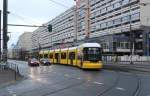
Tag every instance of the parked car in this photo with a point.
(33, 62)
(45, 61)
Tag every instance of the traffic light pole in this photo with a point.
(5, 37)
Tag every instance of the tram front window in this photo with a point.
(91, 54)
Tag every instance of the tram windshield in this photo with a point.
(92, 54)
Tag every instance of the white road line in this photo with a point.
(14, 95)
(78, 78)
(66, 75)
(11, 92)
(98, 83)
(119, 88)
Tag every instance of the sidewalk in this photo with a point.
(8, 76)
(126, 66)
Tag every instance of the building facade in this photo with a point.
(23, 47)
(63, 31)
(120, 26)
(25, 41)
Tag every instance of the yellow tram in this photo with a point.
(86, 56)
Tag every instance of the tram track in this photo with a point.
(111, 87)
(138, 89)
(118, 80)
(72, 80)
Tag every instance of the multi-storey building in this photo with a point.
(63, 31)
(120, 26)
(25, 42)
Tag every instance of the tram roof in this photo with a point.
(41, 52)
(46, 51)
(90, 45)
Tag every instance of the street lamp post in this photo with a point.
(5, 37)
(0, 36)
(131, 36)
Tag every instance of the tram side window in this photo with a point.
(56, 55)
(86, 55)
(63, 55)
(41, 56)
(45, 55)
(72, 55)
(51, 55)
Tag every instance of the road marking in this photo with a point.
(14, 95)
(66, 75)
(119, 88)
(11, 92)
(99, 83)
(78, 78)
(88, 80)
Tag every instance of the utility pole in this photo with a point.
(5, 37)
(87, 19)
(0, 36)
(131, 36)
(76, 10)
(76, 23)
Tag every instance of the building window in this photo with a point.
(110, 23)
(125, 19)
(117, 21)
(103, 10)
(117, 5)
(104, 25)
(124, 2)
(110, 8)
(135, 16)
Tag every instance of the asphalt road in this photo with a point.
(58, 80)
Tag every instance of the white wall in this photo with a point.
(145, 12)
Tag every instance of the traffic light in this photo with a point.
(50, 28)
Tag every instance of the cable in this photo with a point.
(59, 4)
(22, 18)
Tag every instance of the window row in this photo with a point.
(111, 7)
(120, 45)
(118, 21)
(71, 55)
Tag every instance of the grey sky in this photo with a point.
(33, 12)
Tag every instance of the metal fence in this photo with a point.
(10, 66)
(126, 59)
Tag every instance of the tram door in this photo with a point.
(71, 57)
(57, 58)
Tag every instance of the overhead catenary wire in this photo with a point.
(60, 4)
(22, 18)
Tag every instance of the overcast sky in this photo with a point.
(32, 12)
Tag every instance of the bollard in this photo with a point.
(15, 73)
